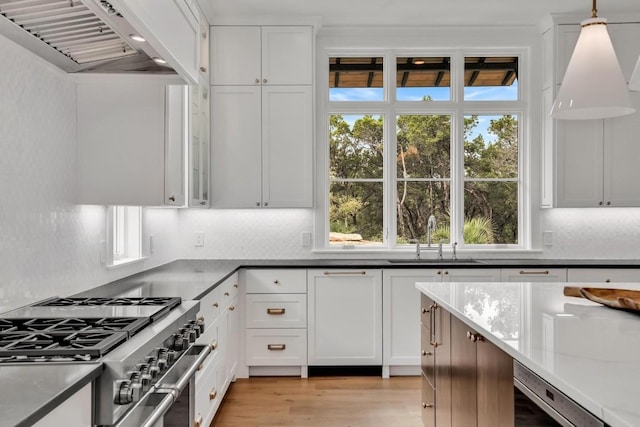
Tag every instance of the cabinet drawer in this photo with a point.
(276, 281)
(428, 404)
(427, 357)
(276, 311)
(208, 391)
(425, 310)
(229, 289)
(276, 347)
(210, 306)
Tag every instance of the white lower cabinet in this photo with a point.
(527, 274)
(73, 412)
(276, 321)
(345, 317)
(401, 319)
(602, 275)
(220, 312)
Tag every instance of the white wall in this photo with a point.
(48, 245)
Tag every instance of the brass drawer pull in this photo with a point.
(276, 347)
(226, 294)
(213, 394)
(233, 307)
(216, 305)
(214, 344)
(278, 311)
(338, 273)
(534, 272)
(198, 421)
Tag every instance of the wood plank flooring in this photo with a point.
(322, 402)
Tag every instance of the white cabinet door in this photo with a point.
(471, 275)
(603, 275)
(130, 141)
(345, 317)
(621, 154)
(253, 55)
(233, 333)
(579, 148)
(236, 53)
(287, 142)
(534, 274)
(401, 315)
(287, 55)
(236, 159)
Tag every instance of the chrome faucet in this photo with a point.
(431, 226)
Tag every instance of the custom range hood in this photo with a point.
(78, 35)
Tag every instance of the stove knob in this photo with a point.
(143, 367)
(127, 392)
(151, 360)
(162, 365)
(193, 335)
(145, 382)
(154, 371)
(171, 357)
(178, 343)
(200, 323)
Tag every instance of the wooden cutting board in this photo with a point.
(625, 299)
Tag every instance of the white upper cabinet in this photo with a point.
(131, 142)
(251, 55)
(261, 117)
(589, 163)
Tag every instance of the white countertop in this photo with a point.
(588, 351)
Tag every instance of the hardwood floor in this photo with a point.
(322, 402)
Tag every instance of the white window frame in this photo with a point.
(390, 108)
(124, 235)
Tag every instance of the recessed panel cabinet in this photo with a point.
(589, 163)
(131, 141)
(262, 117)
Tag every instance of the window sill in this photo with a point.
(489, 253)
(125, 262)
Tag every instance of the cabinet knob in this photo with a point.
(473, 336)
(172, 198)
(446, 272)
(235, 285)
(203, 203)
(216, 305)
(266, 203)
(599, 203)
(212, 394)
(214, 345)
(264, 80)
(257, 80)
(608, 281)
(423, 310)
(608, 203)
(226, 294)
(426, 353)
(427, 405)
(439, 272)
(203, 68)
(257, 203)
(233, 307)
(276, 282)
(198, 421)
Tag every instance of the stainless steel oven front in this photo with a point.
(171, 403)
(538, 403)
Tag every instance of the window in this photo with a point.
(428, 152)
(124, 226)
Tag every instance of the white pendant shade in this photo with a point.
(593, 86)
(634, 83)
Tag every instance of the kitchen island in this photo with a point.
(584, 349)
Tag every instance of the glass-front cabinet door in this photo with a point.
(199, 146)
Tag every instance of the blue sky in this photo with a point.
(479, 93)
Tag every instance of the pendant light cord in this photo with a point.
(594, 10)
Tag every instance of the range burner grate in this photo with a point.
(93, 344)
(131, 325)
(170, 302)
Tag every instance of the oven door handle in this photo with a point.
(190, 372)
(156, 415)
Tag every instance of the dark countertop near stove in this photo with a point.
(29, 392)
(192, 279)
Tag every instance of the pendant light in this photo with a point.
(593, 86)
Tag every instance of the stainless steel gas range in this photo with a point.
(146, 346)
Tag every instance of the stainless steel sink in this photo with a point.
(436, 261)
